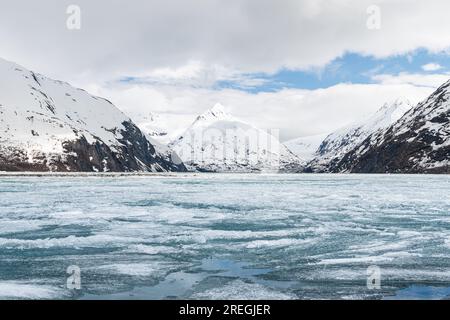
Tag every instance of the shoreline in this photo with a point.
(94, 174)
(6, 174)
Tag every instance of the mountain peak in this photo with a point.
(344, 140)
(218, 108)
(219, 142)
(48, 125)
(417, 143)
(399, 103)
(218, 112)
(390, 112)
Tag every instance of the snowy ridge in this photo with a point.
(219, 142)
(417, 143)
(150, 124)
(340, 142)
(306, 147)
(48, 125)
(212, 115)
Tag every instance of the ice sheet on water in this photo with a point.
(23, 290)
(240, 290)
(67, 242)
(155, 269)
(325, 230)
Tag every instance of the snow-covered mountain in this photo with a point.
(339, 143)
(48, 125)
(306, 147)
(419, 142)
(219, 142)
(163, 127)
(150, 123)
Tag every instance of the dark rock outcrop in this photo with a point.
(418, 143)
(48, 125)
(135, 153)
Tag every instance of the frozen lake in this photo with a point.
(213, 236)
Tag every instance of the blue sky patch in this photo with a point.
(351, 68)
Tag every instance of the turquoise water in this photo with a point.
(213, 236)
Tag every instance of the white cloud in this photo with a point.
(196, 74)
(295, 112)
(244, 36)
(414, 79)
(177, 50)
(431, 67)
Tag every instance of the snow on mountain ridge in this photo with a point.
(419, 142)
(306, 147)
(47, 124)
(338, 143)
(216, 113)
(217, 141)
(150, 123)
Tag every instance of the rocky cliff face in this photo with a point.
(336, 145)
(417, 143)
(48, 125)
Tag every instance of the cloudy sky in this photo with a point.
(302, 66)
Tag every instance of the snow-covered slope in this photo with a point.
(150, 123)
(48, 125)
(306, 147)
(340, 142)
(219, 142)
(163, 127)
(419, 142)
